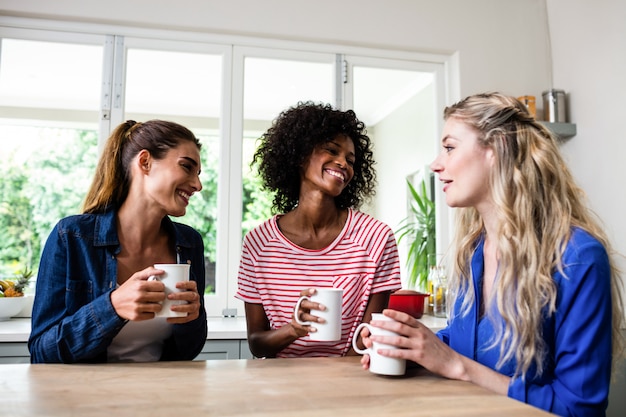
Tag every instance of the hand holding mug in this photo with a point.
(326, 304)
(141, 296)
(412, 341)
(188, 300)
(378, 364)
(175, 279)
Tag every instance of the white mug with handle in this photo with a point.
(379, 364)
(173, 273)
(332, 299)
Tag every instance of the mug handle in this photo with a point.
(297, 307)
(355, 336)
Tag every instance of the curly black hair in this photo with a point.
(290, 141)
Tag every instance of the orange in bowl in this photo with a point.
(408, 301)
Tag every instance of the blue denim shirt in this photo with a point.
(73, 319)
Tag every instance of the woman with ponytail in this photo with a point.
(536, 304)
(93, 300)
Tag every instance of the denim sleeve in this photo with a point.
(582, 341)
(70, 323)
(188, 339)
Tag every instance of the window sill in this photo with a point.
(219, 328)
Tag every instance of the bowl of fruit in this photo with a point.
(10, 306)
(12, 299)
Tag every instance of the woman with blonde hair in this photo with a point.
(94, 301)
(536, 304)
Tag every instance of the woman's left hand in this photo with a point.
(188, 293)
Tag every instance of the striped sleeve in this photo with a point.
(380, 243)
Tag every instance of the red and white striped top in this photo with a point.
(362, 260)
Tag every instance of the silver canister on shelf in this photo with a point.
(554, 106)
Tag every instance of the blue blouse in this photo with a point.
(577, 369)
(73, 319)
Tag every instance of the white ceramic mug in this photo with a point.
(173, 273)
(332, 299)
(379, 364)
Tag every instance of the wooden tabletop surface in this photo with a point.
(260, 387)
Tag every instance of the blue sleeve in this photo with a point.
(580, 345)
(444, 335)
(70, 323)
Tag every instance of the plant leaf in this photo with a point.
(418, 229)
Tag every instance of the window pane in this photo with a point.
(271, 86)
(50, 75)
(168, 84)
(49, 93)
(185, 88)
(397, 107)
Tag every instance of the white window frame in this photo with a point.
(234, 49)
(236, 164)
(214, 303)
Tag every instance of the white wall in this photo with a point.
(589, 54)
(589, 57)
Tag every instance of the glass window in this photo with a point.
(184, 87)
(49, 95)
(54, 115)
(396, 101)
(271, 86)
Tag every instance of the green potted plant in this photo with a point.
(418, 229)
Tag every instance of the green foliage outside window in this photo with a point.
(36, 192)
(51, 182)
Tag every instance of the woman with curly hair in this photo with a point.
(318, 163)
(536, 302)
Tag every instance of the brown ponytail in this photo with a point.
(111, 181)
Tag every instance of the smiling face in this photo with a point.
(331, 166)
(464, 166)
(172, 181)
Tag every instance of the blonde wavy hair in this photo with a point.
(537, 204)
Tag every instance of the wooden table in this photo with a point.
(272, 387)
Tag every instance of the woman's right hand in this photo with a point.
(304, 314)
(367, 342)
(138, 298)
